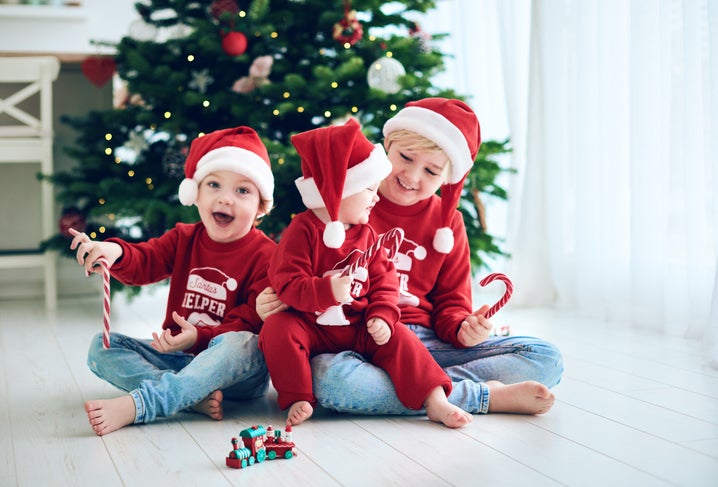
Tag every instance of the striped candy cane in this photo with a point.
(334, 315)
(105, 302)
(507, 294)
(391, 239)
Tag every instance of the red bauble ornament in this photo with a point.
(234, 43)
(72, 218)
(219, 7)
(98, 69)
(349, 29)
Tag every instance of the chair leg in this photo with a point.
(51, 281)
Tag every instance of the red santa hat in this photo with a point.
(239, 150)
(453, 126)
(337, 162)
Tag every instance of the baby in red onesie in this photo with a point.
(332, 312)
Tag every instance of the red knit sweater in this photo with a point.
(212, 285)
(435, 291)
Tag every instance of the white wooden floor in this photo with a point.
(632, 409)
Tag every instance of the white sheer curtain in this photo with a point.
(612, 110)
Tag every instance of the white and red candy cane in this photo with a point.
(391, 240)
(507, 294)
(105, 301)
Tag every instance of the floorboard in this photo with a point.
(634, 408)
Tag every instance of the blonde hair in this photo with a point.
(416, 142)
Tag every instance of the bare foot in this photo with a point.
(211, 406)
(108, 415)
(299, 412)
(529, 397)
(440, 410)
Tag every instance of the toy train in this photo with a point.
(260, 445)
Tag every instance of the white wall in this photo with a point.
(32, 29)
(65, 32)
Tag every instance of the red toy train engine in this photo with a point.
(259, 445)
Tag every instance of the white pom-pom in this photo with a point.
(420, 252)
(187, 192)
(231, 284)
(334, 235)
(444, 240)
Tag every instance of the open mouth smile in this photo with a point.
(222, 218)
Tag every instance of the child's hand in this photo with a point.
(341, 287)
(379, 330)
(476, 328)
(88, 251)
(166, 343)
(269, 303)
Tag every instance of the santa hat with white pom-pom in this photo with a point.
(337, 162)
(239, 150)
(453, 126)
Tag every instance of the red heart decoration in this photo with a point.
(98, 69)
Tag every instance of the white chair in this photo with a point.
(28, 138)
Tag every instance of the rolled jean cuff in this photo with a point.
(139, 407)
(484, 398)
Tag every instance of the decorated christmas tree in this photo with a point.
(279, 66)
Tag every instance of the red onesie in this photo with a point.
(299, 271)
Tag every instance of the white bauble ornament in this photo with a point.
(384, 75)
(141, 31)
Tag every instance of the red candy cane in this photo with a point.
(105, 302)
(334, 315)
(507, 294)
(391, 239)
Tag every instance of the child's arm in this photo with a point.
(184, 340)
(88, 251)
(379, 330)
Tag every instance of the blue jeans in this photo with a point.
(345, 382)
(162, 384)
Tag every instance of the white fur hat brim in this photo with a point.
(234, 159)
(438, 129)
(359, 177)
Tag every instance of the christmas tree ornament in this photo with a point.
(384, 75)
(258, 75)
(98, 69)
(176, 32)
(422, 37)
(141, 31)
(135, 143)
(234, 43)
(201, 80)
(173, 161)
(72, 218)
(220, 7)
(348, 30)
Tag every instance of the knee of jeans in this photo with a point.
(95, 348)
(237, 340)
(554, 365)
(332, 369)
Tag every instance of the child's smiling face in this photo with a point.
(228, 205)
(415, 174)
(355, 209)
